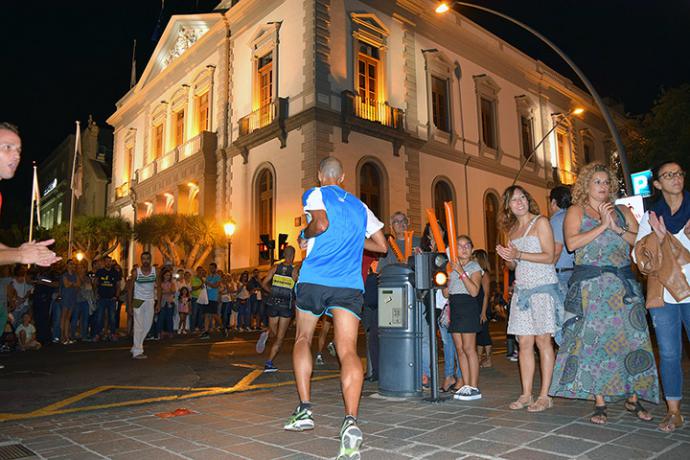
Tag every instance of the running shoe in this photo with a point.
(300, 420)
(140, 356)
(205, 336)
(319, 359)
(350, 440)
(331, 348)
(468, 393)
(269, 367)
(261, 343)
(513, 358)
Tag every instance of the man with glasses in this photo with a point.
(32, 252)
(399, 224)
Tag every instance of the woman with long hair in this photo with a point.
(464, 284)
(484, 343)
(605, 354)
(532, 320)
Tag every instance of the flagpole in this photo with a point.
(33, 196)
(71, 206)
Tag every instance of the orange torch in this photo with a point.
(396, 249)
(435, 230)
(408, 243)
(452, 236)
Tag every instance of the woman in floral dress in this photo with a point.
(605, 354)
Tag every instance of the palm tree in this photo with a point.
(94, 236)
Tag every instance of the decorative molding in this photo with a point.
(186, 37)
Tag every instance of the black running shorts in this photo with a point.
(318, 300)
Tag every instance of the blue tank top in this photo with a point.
(334, 258)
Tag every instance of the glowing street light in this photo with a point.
(229, 228)
(443, 7)
(80, 256)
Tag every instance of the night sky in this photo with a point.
(65, 60)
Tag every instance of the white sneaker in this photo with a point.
(261, 343)
(463, 393)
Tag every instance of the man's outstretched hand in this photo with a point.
(38, 252)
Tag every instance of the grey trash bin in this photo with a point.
(400, 334)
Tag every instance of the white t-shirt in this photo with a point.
(29, 330)
(644, 230)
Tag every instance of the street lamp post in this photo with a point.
(229, 228)
(444, 7)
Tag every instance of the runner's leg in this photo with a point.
(346, 327)
(279, 327)
(301, 353)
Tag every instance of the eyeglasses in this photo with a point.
(465, 245)
(672, 175)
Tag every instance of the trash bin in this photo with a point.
(400, 333)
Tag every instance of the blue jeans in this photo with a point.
(669, 336)
(106, 307)
(563, 278)
(81, 314)
(451, 367)
(55, 313)
(243, 314)
(165, 318)
(225, 311)
(196, 320)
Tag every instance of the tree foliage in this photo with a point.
(94, 236)
(184, 240)
(663, 133)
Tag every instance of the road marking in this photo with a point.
(245, 384)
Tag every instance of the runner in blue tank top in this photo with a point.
(330, 282)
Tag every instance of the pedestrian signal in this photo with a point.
(282, 244)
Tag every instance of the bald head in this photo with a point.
(289, 254)
(330, 171)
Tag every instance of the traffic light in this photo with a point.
(430, 270)
(282, 244)
(265, 247)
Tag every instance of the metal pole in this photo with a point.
(597, 99)
(77, 150)
(229, 253)
(433, 352)
(534, 150)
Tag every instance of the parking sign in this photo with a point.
(642, 183)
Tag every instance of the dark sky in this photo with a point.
(66, 60)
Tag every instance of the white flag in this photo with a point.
(36, 197)
(77, 170)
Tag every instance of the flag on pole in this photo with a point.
(133, 76)
(36, 197)
(77, 170)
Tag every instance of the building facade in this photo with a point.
(55, 176)
(237, 107)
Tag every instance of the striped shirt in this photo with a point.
(145, 285)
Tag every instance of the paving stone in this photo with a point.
(540, 427)
(613, 452)
(680, 451)
(643, 442)
(591, 432)
(300, 456)
(321, 447)
(529, 454)
(116, 447)
(149, 453)
(213, 454)
(94, 436)
(510, 435)
(442, 437)
(177, 445)
(444, 455)
(418, 450)
(259, 451)
(401, 433)
(480, 446)
(64, 451)
(386, 443)
(379, 454)
(562, 445)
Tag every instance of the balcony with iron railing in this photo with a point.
(375, 118)
(204, 143)
(122, 191)
(262, 124)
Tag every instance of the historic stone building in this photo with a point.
(55, 176)
(236, 108)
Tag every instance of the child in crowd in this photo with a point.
(183, 308)
(26, 334)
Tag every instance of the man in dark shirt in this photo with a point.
(44, 287)
(108, 290)
(256, 300)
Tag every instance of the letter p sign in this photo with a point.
(641, 183)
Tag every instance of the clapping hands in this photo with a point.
(508, 253)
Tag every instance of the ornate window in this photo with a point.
(178, 127)
(440, 103)
(525, 111)
(491, 228)
(588, 149)
(202, 101)
(371, 187)
(265, 87)
(439, 96)
(265, 190)
(443, 191)
(487, 106)
(158, 132)
(370, 36)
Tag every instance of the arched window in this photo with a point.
(442, 193)
(491, 226)
(264, 201)
(371, 187)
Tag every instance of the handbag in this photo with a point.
(203, 296)
(444, 317)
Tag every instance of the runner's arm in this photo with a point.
(268, 278)
(376, 242)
